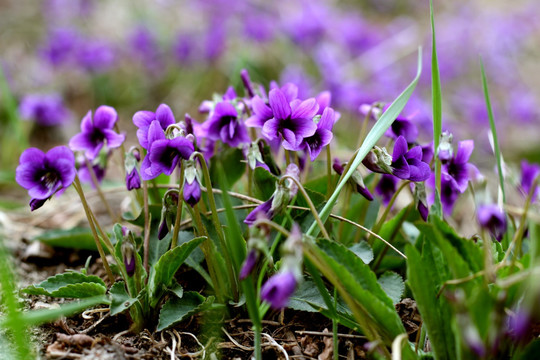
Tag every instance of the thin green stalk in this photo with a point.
(309, 202)
(14, 317)
(287, 157)
(335, 323)
(436, 99)
(146, 241)
(330, 187)
(382, 220)
(103, 234)
(78, 188)
(346, 204)
(178, 219)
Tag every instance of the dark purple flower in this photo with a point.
(164, 154)
(225, 125)
(292, 121)
(323, 135)
(133, 180)
(458, 167)
(163, 230)
(423, 210)
(97, 132)
(408, 164)
(403, 126)
(529, 172)
(387, 187)
(249, 264)
(449, 192)
(264, 209)
(192, 192)
(278, 289)
(143, 119)
(45, 174)
(493, 219)
(45, 110)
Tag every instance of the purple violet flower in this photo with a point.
(408, 164)
(224, 124)
(143, 119)
(45, 174)
(323, 135)
(97, 132)
(493, 219)
(292, 121)
(95, 55)
(529, 172)
(449, 192)
(458, 167)
(164, 153)
(264, 209)
(278, 289)
(387, 187)
(45, 110)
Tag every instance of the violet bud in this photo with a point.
(244, 75)
(192, 187)
(128, 253)
(420, 198)
(249, 264)
(519, 325)
(378, 160)
(133, 180)
(163, 229)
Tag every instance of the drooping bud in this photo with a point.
(168, 212)
(133, 180)
(249, 264)
(244, 75)
(192, 187)
(378, 160)
(420, 199)
(128, 253)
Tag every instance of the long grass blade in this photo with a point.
(374, 135)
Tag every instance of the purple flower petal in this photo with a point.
(105, 117)
(143, 118)
(464, 151)
(400, 148)
(307, 109)
(279, 104)
(401, 168)
(278, 289)
(165, 116)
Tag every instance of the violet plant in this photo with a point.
(307, 229)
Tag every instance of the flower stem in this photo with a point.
(176, 228)
(89, 216)
(309, 202)
(330, 187)
(146, 242)
(95, 181)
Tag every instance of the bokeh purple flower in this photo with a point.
(493, 219)
(44, 109)
(529, 172)
(45, 174)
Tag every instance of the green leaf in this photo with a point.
(353, 265)
(436, 100)
(41, 316)
(176, 310)
(378, 130)
(177, 289)
(425, 280)
(76, 238)
(393, 285)
(363, 251)
(69, 285)
(120, 299)
(231, 159)
(163, 273)
(265, 183)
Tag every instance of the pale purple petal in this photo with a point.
(307, 109)
(114, 140)
(290, 91)
(270, 129)
(105, 117)
(142, 119)
(165, 116)
(464, 151)
(279, 104)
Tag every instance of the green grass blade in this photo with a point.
(436, 101)
(498, 155)
(11, 306)
(374, 135)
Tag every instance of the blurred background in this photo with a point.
(74, 55)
